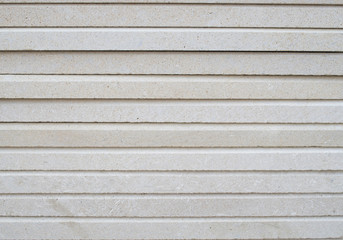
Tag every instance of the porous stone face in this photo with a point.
(156, 119)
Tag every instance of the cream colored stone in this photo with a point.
(170, 135)
(180, 63)
(166, 111)
(184, 39)
(95, 228)
(168, 182)
(177, 159)
(171, 206)
(170, 15)
(170, 87)
(222, 157)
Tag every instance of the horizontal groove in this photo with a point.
(172, 52)
(183, 102)
(175, 218)
(186, 75)
(169, 29)
(172, 195)
(148, 148)
(162, 101)
(169, 126)
(170, 150)
(190, 99)
(168, 219)
(184, 172)
(166, 27)
(176, 2)
(181, 2)
(81, 173)
(167, 51)
(170, 77)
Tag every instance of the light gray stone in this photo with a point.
(171, 15)
(170, 135)
(172, 63)
(170, 87)
(184, 39)
(167, 111)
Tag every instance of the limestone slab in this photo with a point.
(100, 182)
(170, 15)
(184, 39)
(167, 111)
(169, 87)
(170, 206)
(307, 228)
(172, 63)
(177, 159)
(169, 135)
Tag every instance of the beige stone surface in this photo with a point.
(171, 119)
(99, 182)
(169, 135)
(176, 159)
(170, 15)
(99, 228)
(171, 206)
(171, 111)
(170, 87)
(171, 63)
(185, 39)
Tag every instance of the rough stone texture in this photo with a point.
(116, 124)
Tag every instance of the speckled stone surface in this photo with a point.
(160, 120)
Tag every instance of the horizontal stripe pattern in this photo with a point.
(155, 119)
